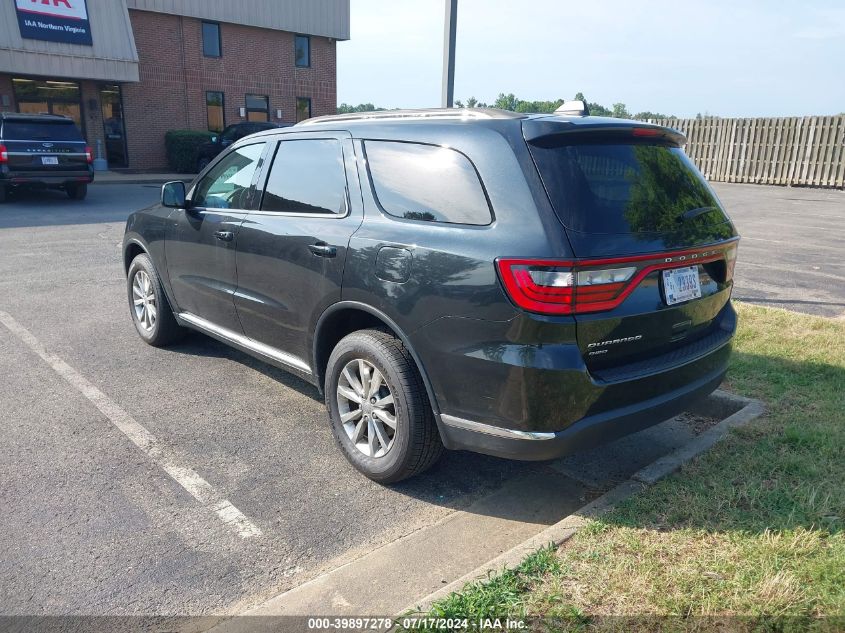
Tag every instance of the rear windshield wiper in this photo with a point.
(694, 213)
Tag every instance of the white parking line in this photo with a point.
(186, 477)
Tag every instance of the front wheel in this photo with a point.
(148, 304)
(379, 410)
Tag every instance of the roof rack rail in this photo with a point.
(453, 114)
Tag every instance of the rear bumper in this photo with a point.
(460, 434)
(539, 401)
(52, 179)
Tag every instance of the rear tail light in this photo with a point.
(4, 154)
(549, 286)
(646, 131)
(730, 262)
(553, 287)
(89, 155)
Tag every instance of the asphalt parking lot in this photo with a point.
(791, 250)
(93, 525)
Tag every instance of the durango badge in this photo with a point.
(616, 341)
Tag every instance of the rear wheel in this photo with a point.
(379, 410)
(148, 304)
(3, 193)
(77, 191)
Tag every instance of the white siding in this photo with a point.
(112, 57)
(329, 18)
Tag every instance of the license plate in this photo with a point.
(681, 284)
(49, 160)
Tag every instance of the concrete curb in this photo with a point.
(668, 464)
(739, 411)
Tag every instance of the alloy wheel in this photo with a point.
(144, 300)
(367, 409)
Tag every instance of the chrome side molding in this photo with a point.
(225, 334)
(498, 431)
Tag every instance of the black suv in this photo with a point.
(234, 132)
(43, 150)
(518, 285)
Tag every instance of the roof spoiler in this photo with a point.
(573, 108)
(551, 131)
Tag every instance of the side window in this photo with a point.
(426, 182)
(307, 176)
(227, 185)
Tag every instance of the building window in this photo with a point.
(302, 51)
(303, 108)
(215, 111)
(211, 43)
(36, 96)
(257, 108)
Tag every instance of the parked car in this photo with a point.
(232, 133)
(43, 151)
(519, 285)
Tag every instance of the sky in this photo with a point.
(727, 58)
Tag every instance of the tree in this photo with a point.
(643, 116)
(513, 103)
(506, 101)
(345, 108)
(620, 111)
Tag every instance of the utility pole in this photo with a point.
(449, 32)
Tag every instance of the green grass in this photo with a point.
(753, 528)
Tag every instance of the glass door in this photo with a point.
(113, 127)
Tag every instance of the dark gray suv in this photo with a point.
(519, 285)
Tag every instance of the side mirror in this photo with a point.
(173, 194)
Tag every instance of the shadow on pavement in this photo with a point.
(541, 492)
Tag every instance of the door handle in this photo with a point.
(321, 249)
(224, 236)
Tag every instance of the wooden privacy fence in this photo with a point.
(783, 151)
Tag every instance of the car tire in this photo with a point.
(77, 191)
(365, 438)
(3, 193)
(202, 163)
(153, 317)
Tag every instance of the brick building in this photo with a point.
(127, 71)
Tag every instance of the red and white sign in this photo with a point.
(68, 9)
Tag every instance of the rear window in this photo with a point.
(41, 131)
(426, 182)
(626, 188)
